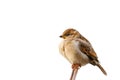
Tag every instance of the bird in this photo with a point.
(78, 51)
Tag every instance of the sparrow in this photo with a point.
(78, 50)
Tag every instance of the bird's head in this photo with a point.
(70, 33)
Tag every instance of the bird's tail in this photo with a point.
(101, 68)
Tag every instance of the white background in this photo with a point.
(29, 38)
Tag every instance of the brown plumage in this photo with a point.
(78, 50)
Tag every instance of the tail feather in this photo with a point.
(101, 68)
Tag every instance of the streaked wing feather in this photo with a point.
(88, 50)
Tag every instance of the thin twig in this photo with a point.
(74, 73)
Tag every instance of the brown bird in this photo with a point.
(78, 51)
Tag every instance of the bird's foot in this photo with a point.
(75, 66)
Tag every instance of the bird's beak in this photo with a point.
(60, 36)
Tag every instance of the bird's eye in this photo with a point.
(67, 34)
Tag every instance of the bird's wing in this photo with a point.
(87, 49)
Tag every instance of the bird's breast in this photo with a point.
(70, 49)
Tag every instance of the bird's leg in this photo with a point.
(75, 68)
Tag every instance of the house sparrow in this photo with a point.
(78, 50)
